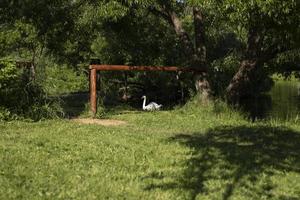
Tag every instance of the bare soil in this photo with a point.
(102, 122)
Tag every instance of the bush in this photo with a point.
(57, 80)
(5, 114)
(22, 98)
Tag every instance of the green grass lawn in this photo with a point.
(179, 154)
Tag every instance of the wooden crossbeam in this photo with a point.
(143, 68)
(95, 68)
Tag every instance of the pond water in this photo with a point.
(282, 102)
(285, 97)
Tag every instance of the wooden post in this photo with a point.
(126, 87)
(95, 67)
(93, 91)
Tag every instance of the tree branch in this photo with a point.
(199, 35)
(156, 12)
(176, 23)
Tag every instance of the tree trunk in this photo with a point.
(32, 72)
(182, 34)
(203, 87)
(200, 52)
(195, 51)
(241, 83)
(199, 58)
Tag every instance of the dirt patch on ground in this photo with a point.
(102, 122)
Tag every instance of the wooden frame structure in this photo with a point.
(93, 76)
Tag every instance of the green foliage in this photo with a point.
(20, 40)
(70, 33)
(6, 115)
(274, 20)
(8, 73)
(22, 97)
(59, 80)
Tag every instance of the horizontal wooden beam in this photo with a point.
(143, 68)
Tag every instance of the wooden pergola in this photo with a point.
(95, 68)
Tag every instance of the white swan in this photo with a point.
(151, 106)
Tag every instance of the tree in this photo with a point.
(269, 28)
(195, 50)
(173, 12)
(74, 31)
(47, 24)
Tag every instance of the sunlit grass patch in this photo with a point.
(179, 154)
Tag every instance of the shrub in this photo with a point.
(23, 98)
(57, 80)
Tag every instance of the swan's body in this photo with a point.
(151, 106)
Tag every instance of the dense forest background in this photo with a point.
(47, 46)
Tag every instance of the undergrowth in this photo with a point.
(21, 97)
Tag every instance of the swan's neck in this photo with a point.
(144, 103)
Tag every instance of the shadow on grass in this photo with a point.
(74, 103)
(241, 158)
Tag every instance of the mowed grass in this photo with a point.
(181, 154)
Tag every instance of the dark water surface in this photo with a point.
(282, 102)
(285, 100)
